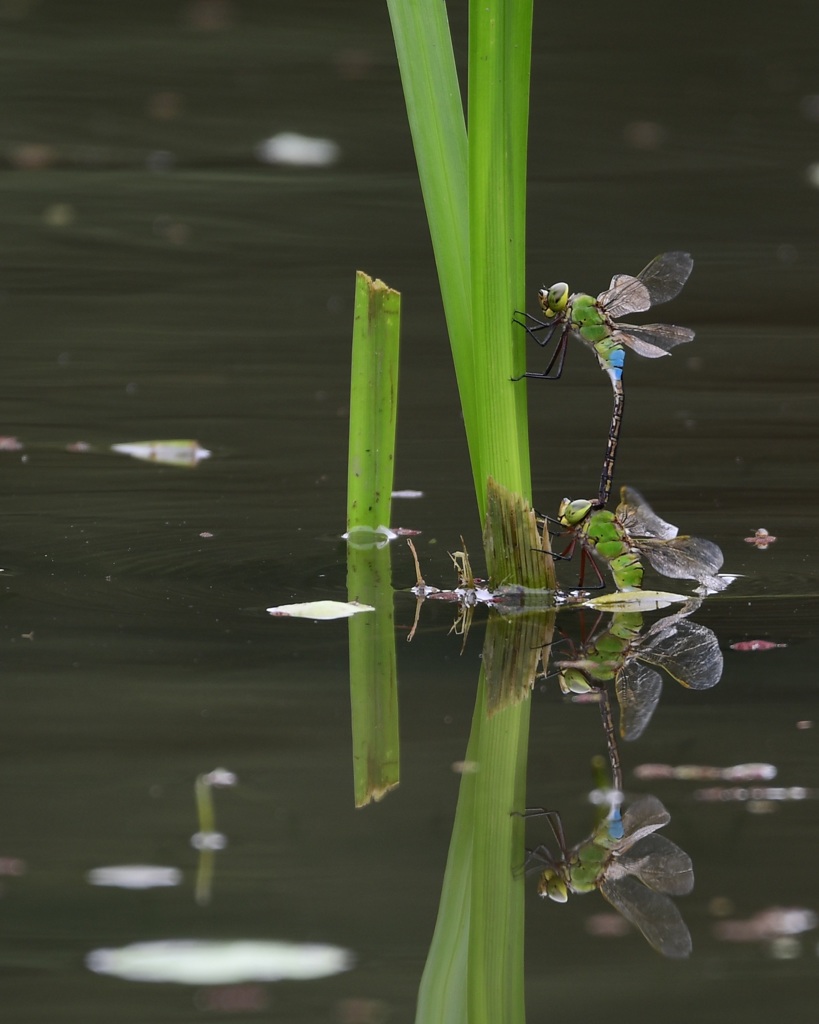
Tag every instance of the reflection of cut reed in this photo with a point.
(207, 840)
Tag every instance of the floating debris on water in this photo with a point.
(755, 645)
(772, 923)
(761, 539)
(743, 794)
(751, 772)
(168, 453)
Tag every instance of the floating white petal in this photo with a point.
(320, 609)
(211, 962)
(135, 876)
(296, 150)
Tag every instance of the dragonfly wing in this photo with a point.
(639, 519)
(684, 558)
(687, 651)
(642, 818)
(638, 690)
(652, 340)
(652, 912)
(660, 281)
(625, 294)
(658, 863)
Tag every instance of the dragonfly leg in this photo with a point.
(533, 327)
(559, 356)
(556, 825)
(565, 555)
(586, 558)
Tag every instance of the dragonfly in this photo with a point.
(595, 321)
(631, 657)
(636, 870)
(632, 532)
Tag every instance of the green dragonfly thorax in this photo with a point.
(603, 658)
(589, 320)
(604, 534)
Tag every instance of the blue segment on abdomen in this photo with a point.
(617, 358)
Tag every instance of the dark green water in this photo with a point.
(157, 281)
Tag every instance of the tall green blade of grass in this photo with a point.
(499, 45)
(373, 409)
(499, 49)
(433, 100)
(475, 201)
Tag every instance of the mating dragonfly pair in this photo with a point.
(636, 870)
(621, 538)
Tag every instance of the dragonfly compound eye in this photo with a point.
(573, 512)
(572, 680)
(553, 886)
(558, 297)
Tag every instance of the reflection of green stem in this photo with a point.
(373, 677)
(373, 406)
(206, 814)
(474, 971)
(204, 877)
(204, 805)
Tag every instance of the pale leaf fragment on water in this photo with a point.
(168, 453)
(215, 962)
(134, 876)
(320, 610)
(635, 600)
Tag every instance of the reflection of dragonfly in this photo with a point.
(594, 322)
(634, 869)
(623, 537)
(687, 651)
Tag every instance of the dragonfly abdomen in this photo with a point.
(627, 570)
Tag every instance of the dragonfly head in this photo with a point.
(571, 513)
(553, 886)
(572, 680)
(555, 299)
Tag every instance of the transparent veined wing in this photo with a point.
(652, 912)
(642, 818)
(685, 558)
(657, 863)
(639, 519)
(652, 340)
(660, 281)
(637, 688)
(625, 294)
(688, 651)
